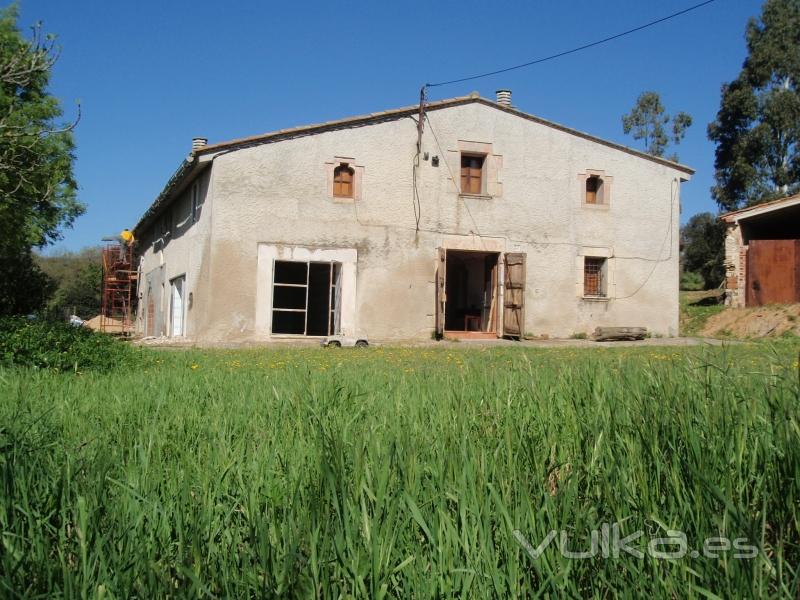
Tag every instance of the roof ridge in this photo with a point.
(432, 105)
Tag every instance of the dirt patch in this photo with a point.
(763, 321)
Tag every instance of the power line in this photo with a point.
(573, 50)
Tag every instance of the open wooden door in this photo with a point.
(441, 294)
(514, 300)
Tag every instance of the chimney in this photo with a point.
(504, 98)
(198, 143)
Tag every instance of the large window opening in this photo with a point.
(471, 291)
(306, 298)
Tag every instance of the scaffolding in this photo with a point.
(119, 289)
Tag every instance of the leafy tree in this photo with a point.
(37, 189)
(81, 294)
(757, 129)
(649, 121)
(703, 248)
(78, 281)
(24, 287)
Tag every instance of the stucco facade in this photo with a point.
(268, 199)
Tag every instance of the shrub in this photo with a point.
(691, 281)
(60, 346)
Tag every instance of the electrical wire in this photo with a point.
(452, 177)
(572, 50)
(673, 191)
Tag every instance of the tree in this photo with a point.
(77, 278)
(703, 248)
(81, 294)
(649, 121)
(757, 129)
(37, 188)
(24, 287)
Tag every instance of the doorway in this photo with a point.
(471, 293)
(177, 306)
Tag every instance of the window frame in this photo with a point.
(597, 194)
(338, 169)
(481, 177)
(599, 266)
(334, 296)
(602, 194)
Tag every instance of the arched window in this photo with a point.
(594, 190)
(343, 177)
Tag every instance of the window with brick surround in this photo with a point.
(594, 277)
(471, 174)
(343, 176)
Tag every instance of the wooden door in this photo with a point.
(514, 299)
(773, 272)
(150, 317)
(441, 294)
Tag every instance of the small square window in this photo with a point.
(471, 174)
(594, 277)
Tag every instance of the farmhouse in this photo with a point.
(762, 253)
(466, 217)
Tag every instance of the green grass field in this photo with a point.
(401, 473)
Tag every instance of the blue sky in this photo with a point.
(151, 75)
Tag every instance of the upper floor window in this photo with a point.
(343, 177)
(594, 190)
(165, 223)
(471, 174)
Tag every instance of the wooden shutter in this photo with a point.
(471, 174)
(343, 181)
(441, 294)
(591, 189)
(514, 299)
(150, 318)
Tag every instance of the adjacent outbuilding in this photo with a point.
(762, 254)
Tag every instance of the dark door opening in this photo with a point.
(306, 298)
(471, 291)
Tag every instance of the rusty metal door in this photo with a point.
(514, 298)
(773, 272)
(441, 294)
